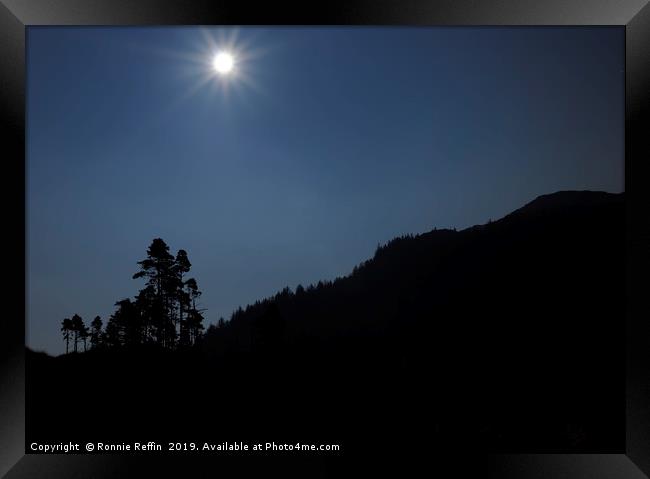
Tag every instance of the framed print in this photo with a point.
(355, 239)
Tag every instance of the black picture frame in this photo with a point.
(634, 15)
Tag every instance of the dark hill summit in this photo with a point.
(506, 336)
(519, 318)
(555, 247)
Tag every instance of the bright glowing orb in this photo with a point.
(223, 63)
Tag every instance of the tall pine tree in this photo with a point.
(158, 268)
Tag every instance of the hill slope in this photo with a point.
(528, 310)
(553, 251)
(506, 337)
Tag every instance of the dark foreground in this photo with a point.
(507, 337)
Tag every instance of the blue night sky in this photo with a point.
(321, 144)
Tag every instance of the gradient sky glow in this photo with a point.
(327, 142)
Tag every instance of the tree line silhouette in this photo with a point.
(275, 323)
(163, 313)
(502, 336)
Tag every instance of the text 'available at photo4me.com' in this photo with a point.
(197, 447)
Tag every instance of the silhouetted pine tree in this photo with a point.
(194, 325)
(66, 328)
(113, 333)
(84, 333)
(158, 268)
(78, 329)
(95, 332)
(145, 303)
(194, 316)
(182, 266)
(128, 319)
(163, 310)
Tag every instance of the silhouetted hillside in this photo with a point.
(412, 279)
(505, 336)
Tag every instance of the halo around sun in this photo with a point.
(223, 63)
